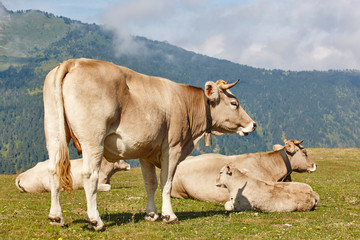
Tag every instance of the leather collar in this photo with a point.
(208, 116)
(287, 163)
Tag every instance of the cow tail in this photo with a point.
(63, 163)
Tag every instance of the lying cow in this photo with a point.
(248, 193)
(36, 179)
(195, 177)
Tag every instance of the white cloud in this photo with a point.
(291, 34)
(321, 52)
(214, 46)
(297, 35)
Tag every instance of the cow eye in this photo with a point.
(234, 103)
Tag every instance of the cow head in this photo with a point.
(221, 178)
(300, 161)
(227, 172)
(110, 168)
(226, 113)
(121, 165)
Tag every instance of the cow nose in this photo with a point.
(312, 169)
(254, 125)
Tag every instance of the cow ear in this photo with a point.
(212, 91)
(277, 147)
(290, 147)
(228, 172)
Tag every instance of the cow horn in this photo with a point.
(298, 142)
(224, 85)
(221, 82)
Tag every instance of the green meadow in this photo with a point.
(337, 180)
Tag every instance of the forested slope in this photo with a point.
(321, 107)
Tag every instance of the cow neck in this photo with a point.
(200, 119)
(286, 160)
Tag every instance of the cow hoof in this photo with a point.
(93, 225)
(151, 217)
(57, 221)
(170, 220)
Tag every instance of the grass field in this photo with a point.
(337, 180)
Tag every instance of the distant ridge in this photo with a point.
(2, 7)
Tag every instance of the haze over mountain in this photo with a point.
(322, 107)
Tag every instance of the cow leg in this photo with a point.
(166, 176)
(90, 174)
(149, 175)
(55, 214)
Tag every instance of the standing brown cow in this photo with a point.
(112, 111)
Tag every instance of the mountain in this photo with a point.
(322, 107)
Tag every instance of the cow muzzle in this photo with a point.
(310, 170)
(246, 130)
(218, 183)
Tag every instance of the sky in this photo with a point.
(271, 34)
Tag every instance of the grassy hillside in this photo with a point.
(25, 34)
(321, 107)
(337, 217)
